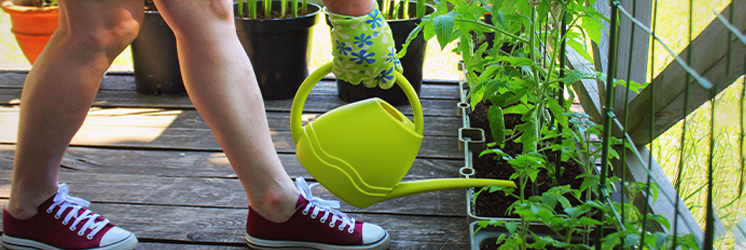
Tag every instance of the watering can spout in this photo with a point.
(422, 186)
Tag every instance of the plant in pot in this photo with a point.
(403, 18)
(34, 22)
(277, 36)
(517, 91)
(154, 56)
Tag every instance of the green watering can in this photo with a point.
(362, 150)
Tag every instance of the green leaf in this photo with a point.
(511, 226)
(489, 72)
(498, 18)
(588, 182)
(515, 61)
(592, 27)
(532, 173)
(528, 138)
(496, 151)
(630, 240)
(443, 26)
(573, 76)
(580, 48)
(410, 38)
(549, 199)
(517, 109)
(558, 112)
(589, 222)
(497, 123)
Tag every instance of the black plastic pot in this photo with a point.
(412, 63)
(155, 59)
(279, 50)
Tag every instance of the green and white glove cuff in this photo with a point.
(364, 50)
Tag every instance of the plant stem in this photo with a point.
(420, 8)
(240, 8)
(251, 6)
(267, 8)
(305, 7)
(294, 7)
(395, 9)
(283, 8)
(385, 8)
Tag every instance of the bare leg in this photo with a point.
(60, 89)
(220, 80)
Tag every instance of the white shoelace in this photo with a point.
(325, 206)
(64, 201)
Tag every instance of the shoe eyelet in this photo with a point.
(305, 212)
(57, 217)
(313, 217)
(89, 237)
(49, 211)
(322, 221)
(72, 228)
(80, 233)
(351, 231)
(331, 225)
(65, 222)
(341, 228)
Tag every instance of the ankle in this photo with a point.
(20, 212)
(23, 206)
(277, 207)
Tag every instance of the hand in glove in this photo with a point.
(363, 50)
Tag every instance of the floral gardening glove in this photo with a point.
(364, 50)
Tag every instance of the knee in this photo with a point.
(112, 34)
(196, 16)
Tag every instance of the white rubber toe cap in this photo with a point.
(117, 235)
(372, 233)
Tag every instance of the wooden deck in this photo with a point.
(152, 166)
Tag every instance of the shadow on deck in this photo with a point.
(152, 166)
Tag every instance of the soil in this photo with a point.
(496, 204)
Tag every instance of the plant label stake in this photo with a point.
(362, 150)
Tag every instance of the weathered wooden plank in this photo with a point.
(176, 246)
(711, 60)
(588, 90)
(314, 103)
(429, 90)
(190, 119)
(633, 43)
(196, 164)
(223, 193)
(202, 139)
(175, 224)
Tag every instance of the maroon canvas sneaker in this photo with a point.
(315, 224)
(63, 222)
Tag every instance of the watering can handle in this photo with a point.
(305, 88)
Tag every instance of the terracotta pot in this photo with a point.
(32, 26)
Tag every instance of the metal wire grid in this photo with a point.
(610, 119)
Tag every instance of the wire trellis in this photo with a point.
(618, 12)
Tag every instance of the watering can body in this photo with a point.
(361, 148)
(361, 151)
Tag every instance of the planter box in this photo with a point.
(490, 234)
(472, 142)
